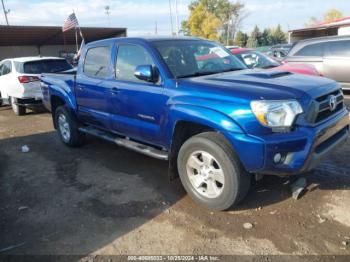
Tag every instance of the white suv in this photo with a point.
(20, 83)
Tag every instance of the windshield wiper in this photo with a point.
(198, 74)
(269, 66)
(209, 73)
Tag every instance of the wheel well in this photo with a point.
(56, 101)
(183, 131)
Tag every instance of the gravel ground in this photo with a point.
(103, 200)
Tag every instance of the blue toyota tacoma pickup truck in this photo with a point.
(190, 102)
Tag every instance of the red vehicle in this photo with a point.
(255, 59)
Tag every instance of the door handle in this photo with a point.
(80, 87)
(115, 90)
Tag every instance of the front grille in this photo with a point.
(323, 107)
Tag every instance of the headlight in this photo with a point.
(276, 114)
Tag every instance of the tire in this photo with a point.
(18, 110)
(221, 186)
(67, 127)
(1, 102)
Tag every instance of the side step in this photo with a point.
(141, 148)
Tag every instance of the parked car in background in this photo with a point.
(279, 52)
(215, 122)
(255, 59)
(20, 83)
(330, 56)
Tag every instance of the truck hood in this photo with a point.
(261, 84)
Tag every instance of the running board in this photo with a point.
(138, 147)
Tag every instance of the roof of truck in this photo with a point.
(145, 39)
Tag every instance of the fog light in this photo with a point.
(277, 158)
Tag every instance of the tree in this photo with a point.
(332, 15)
(229, 14)
(254, 39)
(266, 37)
(185, 30)
(278, 36)
(241, 39)
(203, 23)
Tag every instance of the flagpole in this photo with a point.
(76, 39)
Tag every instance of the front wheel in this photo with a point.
(211, 172)
(17, 109)
(67, 127)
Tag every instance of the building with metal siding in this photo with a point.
(18, 41)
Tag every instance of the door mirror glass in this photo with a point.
(146, 73)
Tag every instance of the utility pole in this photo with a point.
(177, 18)
(5, 11)
(171, 18)
(156, 29)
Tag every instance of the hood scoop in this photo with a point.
(269, 74)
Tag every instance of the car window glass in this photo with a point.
(339, 48)
(46, 66)
(128, 58)
(97, 61)
(312, 50)
(6, 68)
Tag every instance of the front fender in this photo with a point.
(199, 115)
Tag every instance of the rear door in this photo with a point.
(91, 86)
(337, 61)
(312, 54)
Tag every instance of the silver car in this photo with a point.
(330, 56)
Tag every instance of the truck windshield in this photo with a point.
(188, 58)
(45, 66)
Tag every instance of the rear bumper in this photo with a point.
(29, 102)
(302, 149)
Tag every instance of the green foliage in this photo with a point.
(254, 39)
(241, 39)
(203, 23)
(217, 15)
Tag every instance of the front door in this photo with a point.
(137, 107)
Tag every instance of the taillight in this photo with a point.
(27, 79)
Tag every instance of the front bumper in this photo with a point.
(303, 149)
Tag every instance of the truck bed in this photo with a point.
(50, 82)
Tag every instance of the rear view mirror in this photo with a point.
(146, 73)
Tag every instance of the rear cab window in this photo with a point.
(97, 60)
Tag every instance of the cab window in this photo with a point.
(128, 58)
(97, 62)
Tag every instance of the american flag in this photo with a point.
(71, 22)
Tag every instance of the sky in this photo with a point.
(141, 16)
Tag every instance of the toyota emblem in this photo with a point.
(332, 103)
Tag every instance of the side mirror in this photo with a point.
(146, 73)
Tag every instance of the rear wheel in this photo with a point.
(17, 109)
(67, 127)
(1, 102)
(211, 172)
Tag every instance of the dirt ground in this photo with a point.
(101, 199)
